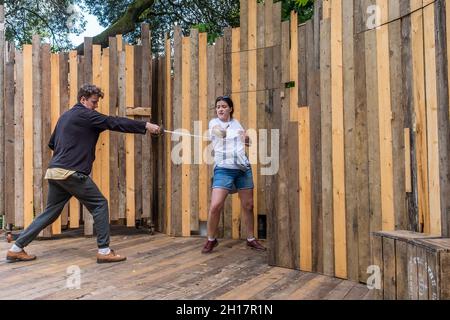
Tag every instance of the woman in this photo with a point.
(232, 171)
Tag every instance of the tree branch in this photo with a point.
(43, 20)
(123, 26)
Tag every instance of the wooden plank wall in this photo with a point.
(40, 87)
(2, 114)
(360, 109)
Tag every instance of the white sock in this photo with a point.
(15, 248)
(104, 251)
(251, 239)
(211, 239)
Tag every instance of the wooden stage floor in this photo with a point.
(160, 267)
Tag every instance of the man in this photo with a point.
(73, 143)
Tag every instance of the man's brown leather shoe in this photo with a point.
(254, 244)
(19, 256)
(110, 257)
(209, 246)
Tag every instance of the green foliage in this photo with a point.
(304, 8)
(206, 15)
(49, 18)
(52, 20)
(211, 29)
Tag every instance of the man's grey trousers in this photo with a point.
(84, 189)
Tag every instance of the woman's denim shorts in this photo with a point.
(232, 179)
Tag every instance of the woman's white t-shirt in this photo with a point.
(229, 152)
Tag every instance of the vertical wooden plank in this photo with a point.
(88, 60)
(113, 136)
(266, 108)
(305, 189)
(137, 90)
(129, 139)
(88, 79)
(168, 124)
(256, 113)
(38, 201)
(269, 21)
(286, 250)
(383, 7)
(186, 141)
(377, 260)
(432, 119)
(55, 109)
(361, 145)
(422, 273)
(302, 66)
(244, 31)
(148, 161)
(393, 11)
(412, 211)
(105, 105)
(294, 224)
(293, 66)
(326, 130)
(74, 204)
(176, 213)
(121, 138)
(235, 89)
(318, 7)
(444, 283)
(19, 141)
(244, 24)
(434, 275)
(211, 92)
(401, 267)
(415, 5)
(389, 279)
(420, 122)
(313, 102)
(244, 73)
(252, 109)
(97, 80)
(261, 122)
(64, 106)
(408, 179)
(338, 159)
(447, 21)
(2, 110)
(326, 9)
(373, 131)
(274, 104)
(194, 118)
(28, 134)
(351, 186)
(120, 43)
(159, 169)
(8, 108)
(227, 211)
(398, 115)
(412, 272)
(203, 118)
(443, 111)
(385, 118)
(218, 71)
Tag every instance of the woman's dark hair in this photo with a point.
(88, 90)
(229, 102)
